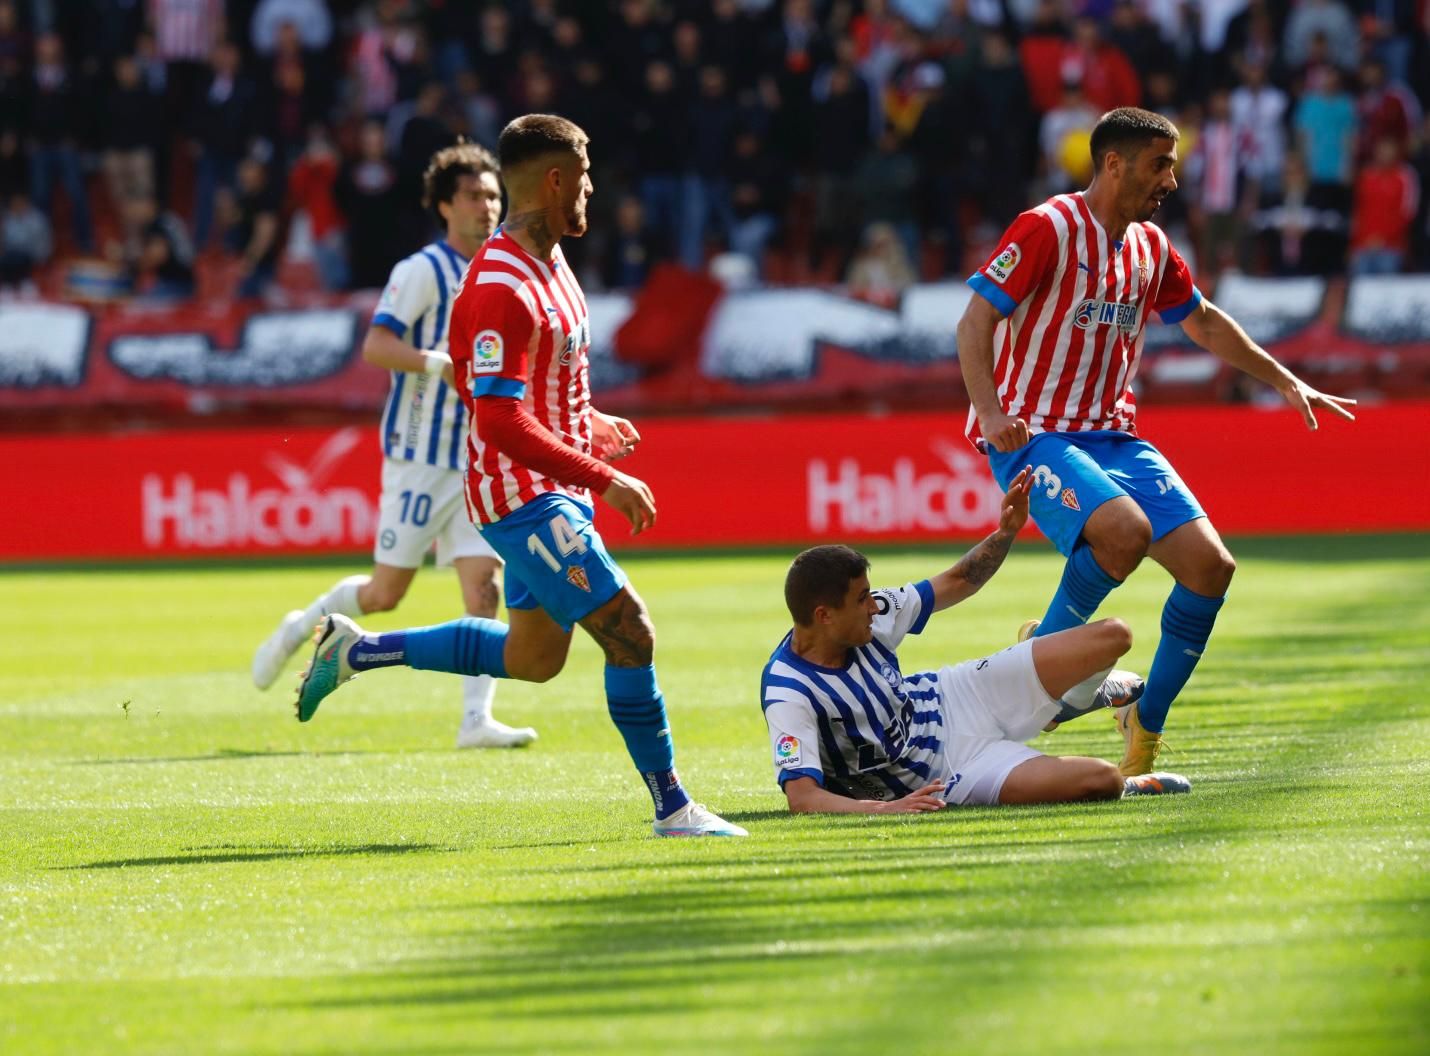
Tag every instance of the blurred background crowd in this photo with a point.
(173, 148)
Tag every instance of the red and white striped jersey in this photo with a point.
(520, 329)
(1075, 305)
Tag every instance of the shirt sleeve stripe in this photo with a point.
(989, 291)
(925, 591)
(1181, 311)
(787, 775)
(499, 387)
(390, 322)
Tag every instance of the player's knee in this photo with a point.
(1122, 544)
(483, 598)
(1103, 781)
(1116, 637)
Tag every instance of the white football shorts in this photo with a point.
(422, 505)
(992, 706)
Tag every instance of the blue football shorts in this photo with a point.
(555, 560)
(1075, 473)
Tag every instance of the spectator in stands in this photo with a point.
(940, 143)
(1107, 78)
(1041, 53)
(288, 104)
(1002, 131)
(707, 191)
(255, 231)
(185, 35)
(1252, 40)
(1132, 32)
(481, 111)
(886, 183)
(1326, 128)
(223, 125)
(662, 138)
(1064, 137)
(841, 137)
(1215, 168)
(53, 124)
(1298, 237)
(313, 198)
(1328, 19)
(309, 18)
(758, 191)
(163, 269)
(881, 272)
(129, 131)
(1258, 113)
(1385, 110)
(367, 193)
(1420, 231)
(25, 241)
(1387, 200)
(629, 251)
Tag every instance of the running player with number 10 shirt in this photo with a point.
(1049, 348)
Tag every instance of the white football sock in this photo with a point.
(342, 600)
(1082, 694)
(477, 693)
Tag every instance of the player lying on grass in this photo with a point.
(852, 734)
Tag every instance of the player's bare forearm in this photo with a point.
(383, 348)
(1223, 337)
(805, 796)
(975, 355)
(973, 569)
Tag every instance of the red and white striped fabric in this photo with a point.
(186, 30)
(1075, 304)
(520, 329)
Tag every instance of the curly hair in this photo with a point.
(439, 182)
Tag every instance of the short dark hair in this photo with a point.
(821, 576)
(537, 135)
(1127, 130)
(439, 182)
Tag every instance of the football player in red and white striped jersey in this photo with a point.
(537, 451)
(1049, 348)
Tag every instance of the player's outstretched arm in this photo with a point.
(806, 797)
(383, 348)
(976, 567)
(1220, 335)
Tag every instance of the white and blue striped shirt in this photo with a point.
(423, 420)
(865, 730)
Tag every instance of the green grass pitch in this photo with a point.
(184, 868)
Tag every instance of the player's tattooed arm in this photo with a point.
(977, 566)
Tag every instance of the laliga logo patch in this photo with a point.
(787, 750)
(1004, 263)
(487, 353)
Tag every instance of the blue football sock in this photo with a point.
(469, 646)
(638, 710)
(1084, 585)
(1187, 621)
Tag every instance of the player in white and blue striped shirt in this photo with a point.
(851, 733)
(424, 440)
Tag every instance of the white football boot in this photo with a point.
(694, 819)
(489, 733)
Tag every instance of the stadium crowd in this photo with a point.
(871, 142)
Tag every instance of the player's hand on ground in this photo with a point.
(1015, 502)
(613, 438)
(928, 798)
(632, 499)
(1306, 399)
(1003, 432)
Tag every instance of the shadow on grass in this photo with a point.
(228, 855)
(219, 756)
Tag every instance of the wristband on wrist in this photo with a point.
(435, 362)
